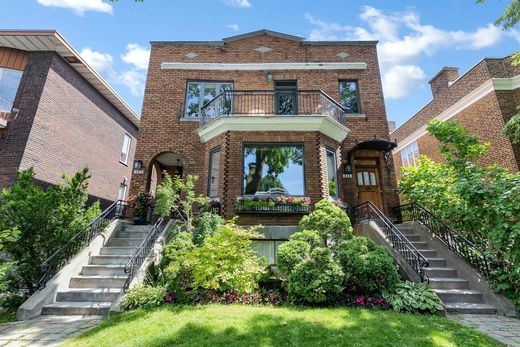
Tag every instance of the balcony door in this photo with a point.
(286, 97)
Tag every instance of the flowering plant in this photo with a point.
(272, 201)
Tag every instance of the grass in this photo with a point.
(7, 316)
(236, 325)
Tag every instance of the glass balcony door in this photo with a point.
(286, 98)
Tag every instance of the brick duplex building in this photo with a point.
(58, 115)
(483, 99)
(265, 114)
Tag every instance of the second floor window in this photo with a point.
(349, 97)
(127, 141)
(9, 82)
(410, 154)
(200, 93)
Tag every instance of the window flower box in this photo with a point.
(273, 204)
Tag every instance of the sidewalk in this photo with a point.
(503, 329)
(45, 330)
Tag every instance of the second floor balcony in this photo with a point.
(273, 110)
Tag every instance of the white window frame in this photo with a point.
(125, 150)
(201, 97)
(410, 154)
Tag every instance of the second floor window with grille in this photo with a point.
(200, 93)
(349, 97)
(127, 141)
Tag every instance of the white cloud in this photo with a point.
(79, 6)
(403, 42)
(137, 56)
(238, 3)
(134, 78)
(399, 80)
(234, 27)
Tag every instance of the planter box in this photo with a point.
(277, 209)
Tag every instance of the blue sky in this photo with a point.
(416, 38)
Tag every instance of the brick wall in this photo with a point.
(162, 128)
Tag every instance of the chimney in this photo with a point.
(392, 125)
(442, 80)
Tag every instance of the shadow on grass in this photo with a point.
(293, 327)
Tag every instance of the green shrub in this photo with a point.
(176, 265)
(206, 226)
(226, 261)
(143, 296)
(413, 297)
(368, 268)
(164, 196)
(312, 237)
(329, 221)
(317, 279)
(292, 253)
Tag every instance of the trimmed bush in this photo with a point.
(312, 237)
(292, 253)
(143, 296)
(317, 279)
(368, 268)
(329, 221)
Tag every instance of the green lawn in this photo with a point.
(7, 316)
(235, 325)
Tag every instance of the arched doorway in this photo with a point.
(169, 162)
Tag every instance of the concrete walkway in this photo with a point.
(45, 330)
(503, 329)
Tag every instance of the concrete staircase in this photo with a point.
(454, 290)
(100, 283)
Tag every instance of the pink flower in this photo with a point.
(360, 300)
(378, 301)
(169, 298)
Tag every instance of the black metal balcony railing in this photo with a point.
(272, 102)
(467, 250)
(414, 258)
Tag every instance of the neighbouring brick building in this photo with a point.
(483, 99)
(265, 114)
(58, 116)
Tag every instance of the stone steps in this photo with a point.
(445, 272)
(473, 308)
(100, 282)
(459, 295)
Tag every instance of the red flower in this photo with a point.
(169, 298)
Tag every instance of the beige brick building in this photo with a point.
(483, 99)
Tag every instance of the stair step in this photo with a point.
(448, 283)
(459, 295)
(94, 270)
(77, 308)
(97, 282)
(131, 234)
(428, 253)
(117, 250)
(117, 242)
(440, 272)
(467, 307)
(131, 227)
(413, 237)
(437, 262)
(109, 259)
(89, 294)
(420, 244)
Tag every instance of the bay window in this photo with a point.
(273, 169)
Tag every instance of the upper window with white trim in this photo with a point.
(125, 151)
(199, 93)
(410, 154)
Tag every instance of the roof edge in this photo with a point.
(340, 43)
(262, 32)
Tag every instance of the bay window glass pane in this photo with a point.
(9, 82)
(214, 173)
(193, 95)
(348, 91)
(273, 169)
(331, 174)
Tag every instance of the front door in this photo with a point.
(367, 179)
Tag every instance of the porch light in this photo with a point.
(269, 76)
(138, 164)
(347, 171)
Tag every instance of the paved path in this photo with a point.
(503, 329)
(45, 330)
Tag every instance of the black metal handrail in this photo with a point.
(82, 239)
(138, 257)
(462, 246)
(272, 102)
(368, 211)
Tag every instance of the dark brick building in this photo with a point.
(265, 114)
(58, 116)
(483, 99)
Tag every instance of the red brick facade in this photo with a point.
(483, 99)
(63, 125)
(163, 128)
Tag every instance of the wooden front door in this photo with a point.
(369, 189)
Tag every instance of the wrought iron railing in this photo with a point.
(467, 250)
(280, 208)
(414, 258)
(82, 239)
(142, 252)
(272, 102)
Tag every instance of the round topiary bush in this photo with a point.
(329, 221)
(312, 237)
(368, 268)
(317, 279)
(292, 253)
